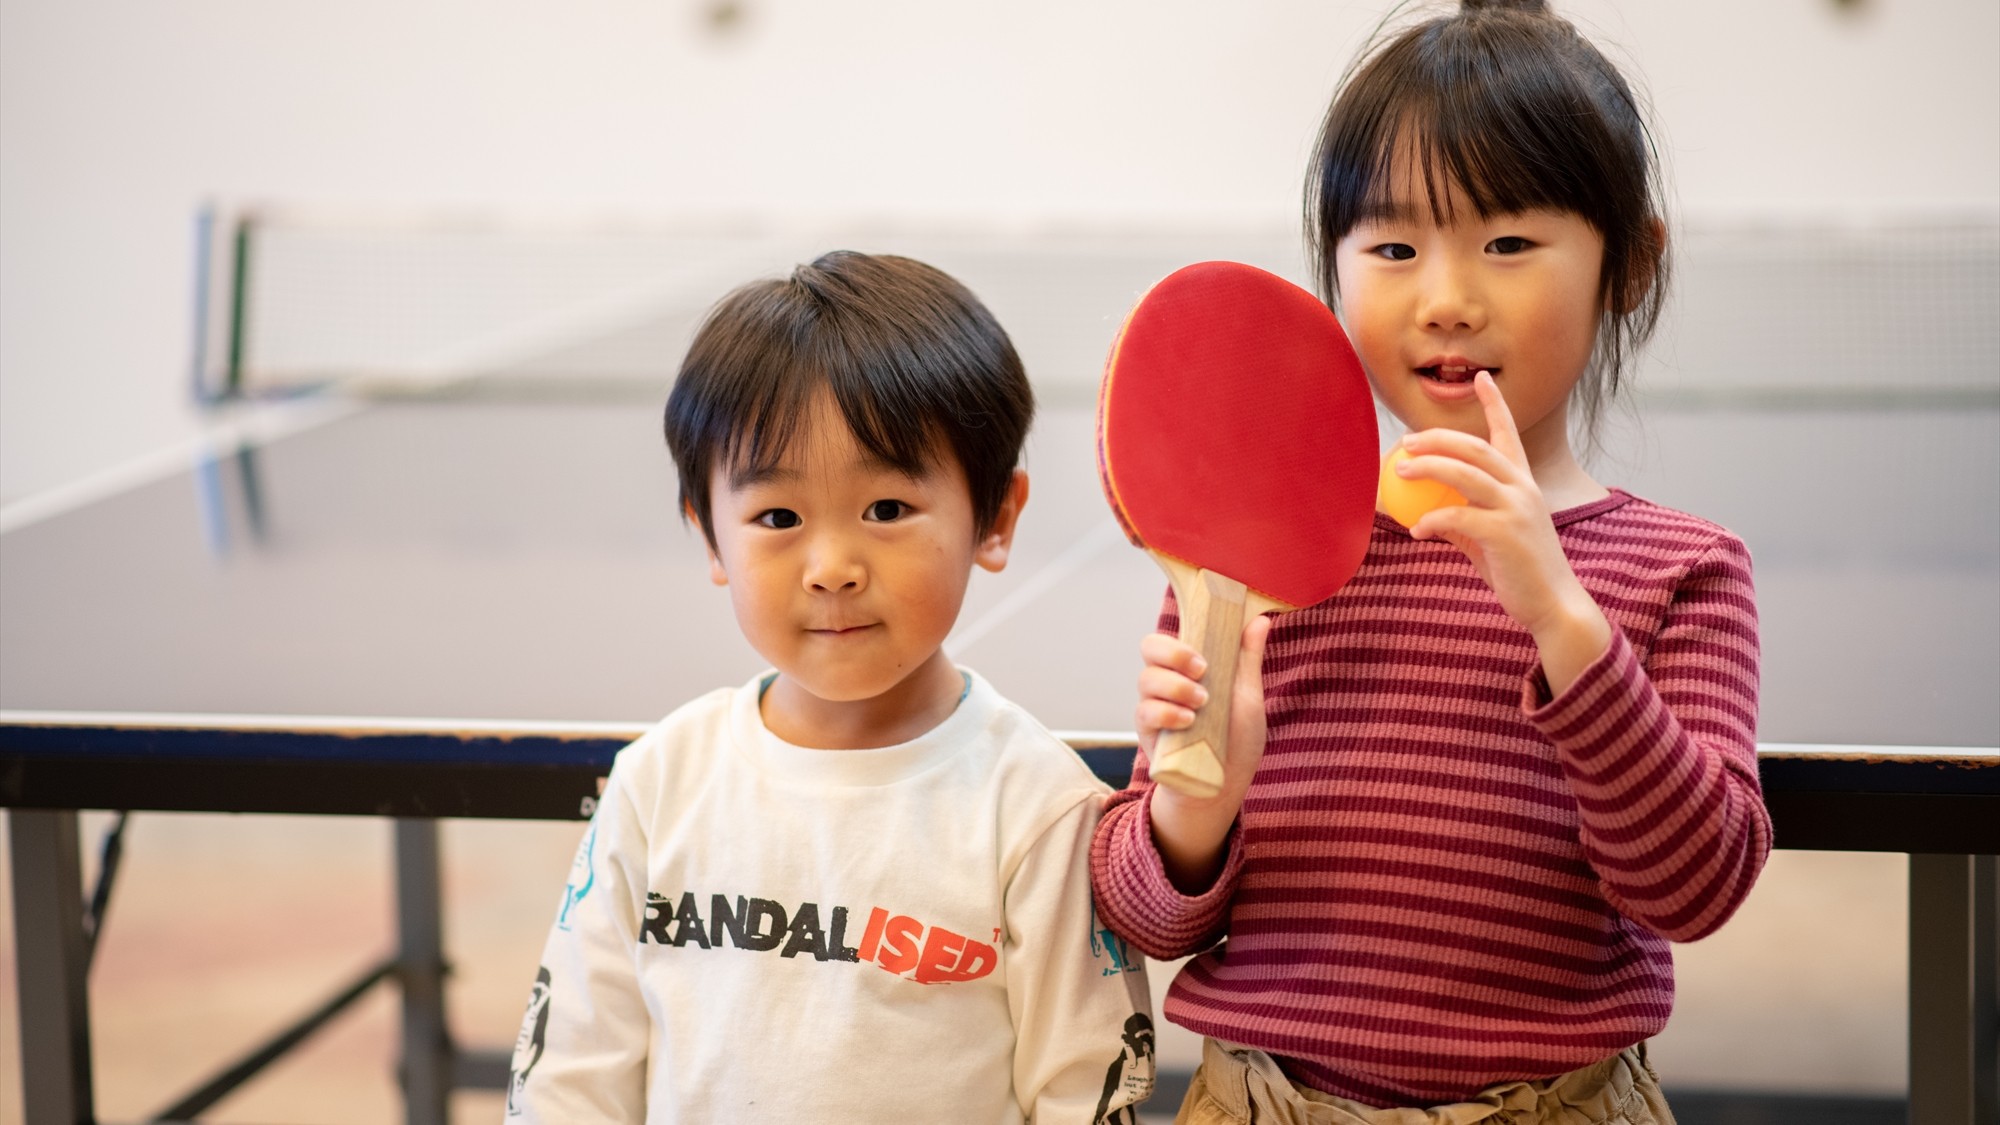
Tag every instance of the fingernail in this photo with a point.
(1200, 696)
(1409, 441)
(1200, 664)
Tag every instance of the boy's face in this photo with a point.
(846, 574)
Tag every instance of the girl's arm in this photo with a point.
(1661, 757)
(1163, 864)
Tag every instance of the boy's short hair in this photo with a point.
(917, 366)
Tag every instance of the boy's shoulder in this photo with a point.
(686, 741)
(1026, 746)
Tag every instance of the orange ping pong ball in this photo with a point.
(1406, 501)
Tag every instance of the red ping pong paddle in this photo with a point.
(1236, 443)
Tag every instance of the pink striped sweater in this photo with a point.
(1441, 878)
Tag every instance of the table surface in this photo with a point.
(436, 577)
(523, 560)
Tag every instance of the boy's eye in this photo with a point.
(1396, 251)
(1508, 244)
(887, 511)
(779, 518)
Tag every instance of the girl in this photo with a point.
(1471, 798)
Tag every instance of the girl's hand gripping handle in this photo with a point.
(1189, 759)
(1190, 829)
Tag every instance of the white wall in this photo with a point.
(118, 119)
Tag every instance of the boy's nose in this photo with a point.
(833, 568)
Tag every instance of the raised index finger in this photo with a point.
(1500, 428)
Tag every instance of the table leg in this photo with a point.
(1954, 990)
(427, 1051)
(50, 965)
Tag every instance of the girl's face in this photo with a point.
(1430, 306)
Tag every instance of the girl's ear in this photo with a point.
(999, 539)
(1645, 264)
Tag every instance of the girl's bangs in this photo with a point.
(1422, 154)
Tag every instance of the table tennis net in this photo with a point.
(297, 300)
(1762, 314)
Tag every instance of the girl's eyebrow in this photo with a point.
(1385, 211)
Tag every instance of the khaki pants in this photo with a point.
(1241, 1086)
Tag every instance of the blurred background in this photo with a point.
(551, 195)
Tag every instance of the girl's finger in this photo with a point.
(1500, 429)
(1466, 448)
(1170, 686)
(1480, 487)
(1155, 715)
(1455, 521)
(1160, 650)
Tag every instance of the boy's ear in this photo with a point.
(715, 572)
(999, 539)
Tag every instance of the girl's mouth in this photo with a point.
(1455, 372)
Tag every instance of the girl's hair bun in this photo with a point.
(1530, 7)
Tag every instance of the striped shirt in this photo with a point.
(1441, 878)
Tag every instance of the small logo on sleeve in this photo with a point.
(1112, 954)
(532, 1039)
(1129, 1079)
(582, 877)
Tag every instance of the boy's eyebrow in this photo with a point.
(743, 476)
(747, 476)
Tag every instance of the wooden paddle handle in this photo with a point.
(1212, 610)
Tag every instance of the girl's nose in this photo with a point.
(1451, 301)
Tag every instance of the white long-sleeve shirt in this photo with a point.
(755, 931)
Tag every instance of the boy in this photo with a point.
(856, 889)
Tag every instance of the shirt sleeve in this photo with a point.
(581, 1053)
(1662, 756)
(1129, 877)
(1083, 1025)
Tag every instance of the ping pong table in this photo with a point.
(423, 607)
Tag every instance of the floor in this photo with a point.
(225, 928)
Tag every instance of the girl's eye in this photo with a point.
(779, 518)
(887, 511)
(1396, 251)
(1508, 244)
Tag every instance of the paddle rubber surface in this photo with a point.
(1236, 432)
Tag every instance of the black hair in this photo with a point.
(1512, 105)
(919, 369)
